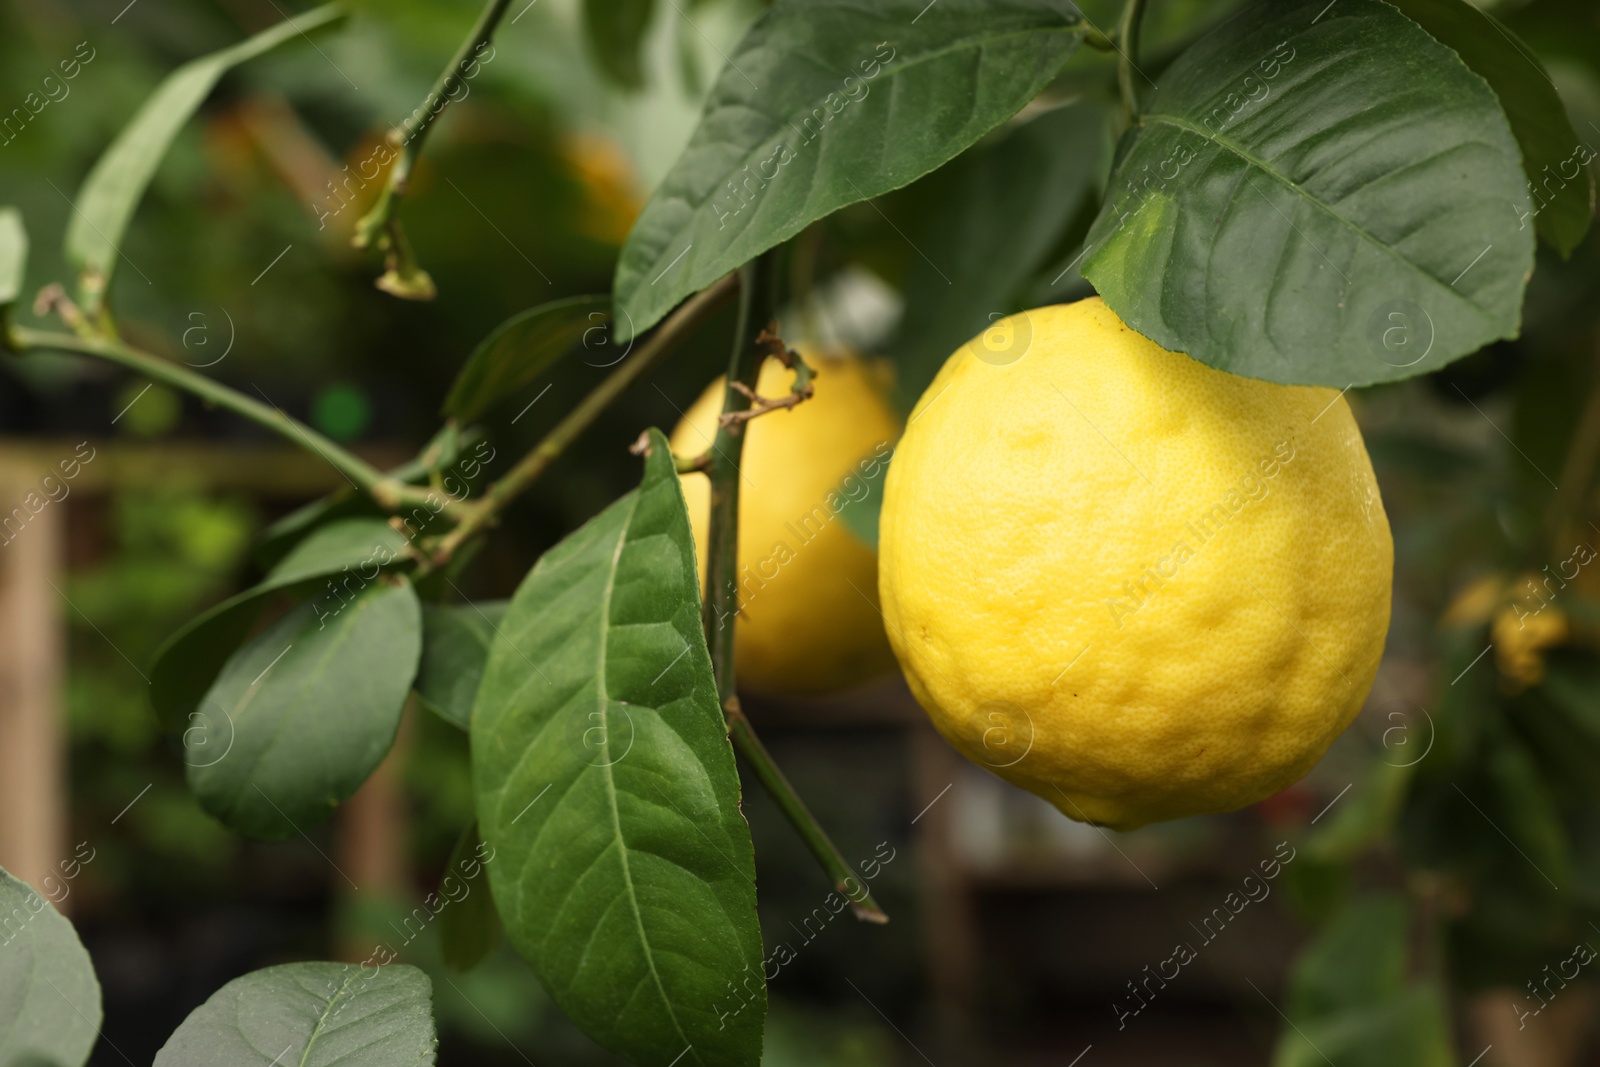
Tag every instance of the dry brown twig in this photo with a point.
(802, 389)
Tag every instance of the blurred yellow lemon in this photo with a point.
(1134, 585)
(808, 587)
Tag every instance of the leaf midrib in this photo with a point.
(1284, 180)
(322, 1019)
(603, 697)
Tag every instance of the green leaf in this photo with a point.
(605, 775)
(1349, 1001)
(615, 30)
(113, 189)
(1317, 195)
(522, 348)
(311, 1015)
(469, 925)
(455, 644)
(305, 711)
(1554, 158)
(13, 255)
(49, 997)
(1006, 202)
(188, 661)
(825, 103)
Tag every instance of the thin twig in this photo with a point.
(388, 491)
(403, 276)
(769, 343)
(757, 303)
(475, 516)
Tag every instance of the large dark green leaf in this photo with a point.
(188, 661)
(49, 998)
(1349, 1001)
(469, 925)
(305, 711)
(826, 103)
(113, 189)
(455, 644)
(522, 348)
(1004, 206)
(615, 30)
(311, 1015)
(1318, 194)
(606, 785)
(13, 255)
(1554, 158)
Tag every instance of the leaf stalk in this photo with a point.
(1127, 58)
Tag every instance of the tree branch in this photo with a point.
(757, 303)
(388, 491)
(403, 277)
(679, 325)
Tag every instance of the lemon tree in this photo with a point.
(1131, 552)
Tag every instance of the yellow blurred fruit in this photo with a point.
(808, 618)
(1134, 585)
(1520, 638)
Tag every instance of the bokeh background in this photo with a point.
(1015, 930)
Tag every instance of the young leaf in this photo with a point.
(13, 255)
(1317, 195)
(615, 31)
(305, 711)
(1006, 203)
(113, 189)
(455, 644)
(188, 661)
(311, 1015)
(1555, 159)
(469, 925)
(811, 114)
(603, 768)
(520, 349)
(49, 997)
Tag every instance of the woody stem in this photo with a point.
(757, 304)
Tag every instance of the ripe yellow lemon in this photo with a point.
(1134, 585)
(808, 587)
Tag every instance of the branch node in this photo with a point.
(771, 344)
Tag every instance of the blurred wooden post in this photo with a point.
(33, 822)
